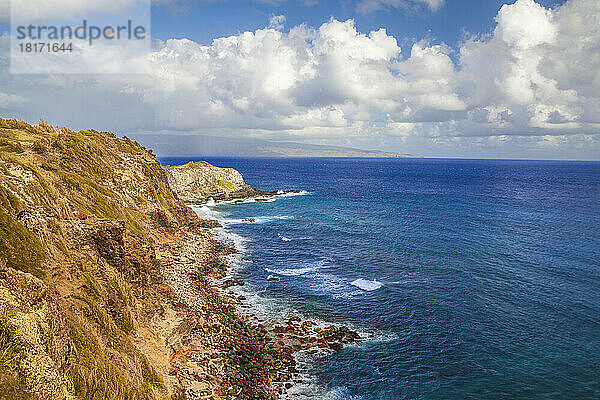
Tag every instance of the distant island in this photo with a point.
(329, 151)
(212, 146)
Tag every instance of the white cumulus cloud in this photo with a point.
(533, 77)
(539, 67)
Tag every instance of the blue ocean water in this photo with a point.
(481, 279)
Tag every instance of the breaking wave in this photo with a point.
(367, 286)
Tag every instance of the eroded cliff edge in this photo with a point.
(196, 182)
(105, 288)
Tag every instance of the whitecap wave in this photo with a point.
(378, 337)
(281, 193)
(239, 242)
(260, 199)
(289, 239)
(206, 212)
(284, 238)
(367, 286)
(326, 283)
(303, 270)
(331, 285)
(340, 393)
(294, 271)
(319, 282)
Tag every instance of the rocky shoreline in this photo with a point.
(268, 348)
(280, 340)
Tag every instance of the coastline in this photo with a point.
(288, 339)
(110, 283)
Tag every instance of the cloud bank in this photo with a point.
(534, 79)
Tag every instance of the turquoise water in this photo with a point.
(479, 279)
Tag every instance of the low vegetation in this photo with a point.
(18, 246)
(12, 353)
(84, 281)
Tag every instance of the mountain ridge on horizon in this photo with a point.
(213, 146)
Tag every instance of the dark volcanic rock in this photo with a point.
(232, 282)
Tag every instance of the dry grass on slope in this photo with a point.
(78, 276)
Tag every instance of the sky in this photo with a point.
(438, 78)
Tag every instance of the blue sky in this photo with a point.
(204, 21)
(514, 79)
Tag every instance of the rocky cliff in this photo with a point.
(196, 182)
(105, 278)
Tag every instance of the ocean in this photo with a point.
(471, 279)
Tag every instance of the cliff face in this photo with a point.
(199, 181)
(104, 276)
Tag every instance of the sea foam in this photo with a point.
(367, 286)
(303, 270)
(284, 238)
(281, 193)
(293, 271)
(289, 239)
(206, 212)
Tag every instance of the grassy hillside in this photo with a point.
(78, 276)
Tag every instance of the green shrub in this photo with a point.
(20, 248)
(92, 287)
(8, 200)
(12, 352)
(226, 185)
(127, 323)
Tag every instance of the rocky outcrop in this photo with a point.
(196, 182)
